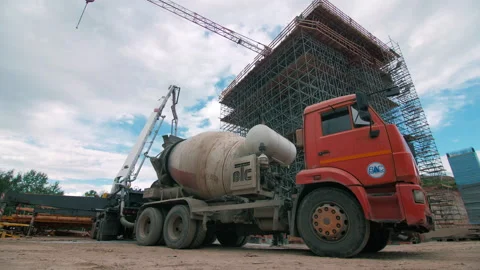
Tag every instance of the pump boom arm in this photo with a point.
(124, 176)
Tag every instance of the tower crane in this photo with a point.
(207, 24)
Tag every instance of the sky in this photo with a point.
(73, 101)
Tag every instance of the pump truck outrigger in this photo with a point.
(359, 183)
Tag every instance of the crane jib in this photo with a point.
(208, 24)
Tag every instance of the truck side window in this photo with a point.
(336, 121)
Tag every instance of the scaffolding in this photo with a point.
(322, 54)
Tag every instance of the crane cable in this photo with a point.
(86, 3)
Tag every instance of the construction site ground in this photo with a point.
(84, 253)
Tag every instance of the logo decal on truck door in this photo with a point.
(376, 170)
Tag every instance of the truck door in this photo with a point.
(344, 142)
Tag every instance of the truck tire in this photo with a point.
(100, 235)
(416, 238)
(200, 235)
(148, 228)
(377, 241)
(179, 229)
(161, 241)
(209, 238)
(103, 231)
(94, 230)
(231, 239)
(332, 224)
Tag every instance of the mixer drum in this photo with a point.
(202, 164)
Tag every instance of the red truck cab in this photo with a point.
(348, 146)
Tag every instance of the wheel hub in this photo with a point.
(330, 222)
(176, 227)
(146, 227)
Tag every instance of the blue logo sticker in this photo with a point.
(376, 170)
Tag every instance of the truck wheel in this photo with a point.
(148, 228)
(94, 230)
(102, 228)
(100, 235)
(200, 234)
(209, 238)
(377, 241)
(161, 241)
(179, 229)
(231, 239)
(416, 238)
(332, 223)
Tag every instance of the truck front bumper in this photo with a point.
(416, 210)
(405, 205)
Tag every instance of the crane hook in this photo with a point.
(86, 3)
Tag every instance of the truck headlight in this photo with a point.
(418, 196)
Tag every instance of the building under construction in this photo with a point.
(319, 55)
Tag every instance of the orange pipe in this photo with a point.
(29, 209)
(26, 209)
(50, 219)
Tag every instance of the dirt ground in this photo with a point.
(81, 253)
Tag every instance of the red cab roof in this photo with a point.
(328, 103)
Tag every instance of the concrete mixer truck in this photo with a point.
(360, 181)
(358, 184)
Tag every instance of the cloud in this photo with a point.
(439, 111)
(446, 165)
(438, 38)
(205, 119)
(72, 100)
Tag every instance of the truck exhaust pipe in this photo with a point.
(123, 220)
(126, 223)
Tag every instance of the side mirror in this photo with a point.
(365, 116)
(362, 101)
(362, 104)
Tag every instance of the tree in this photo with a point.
(7, 179)
(91, 193)
(32, 182)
